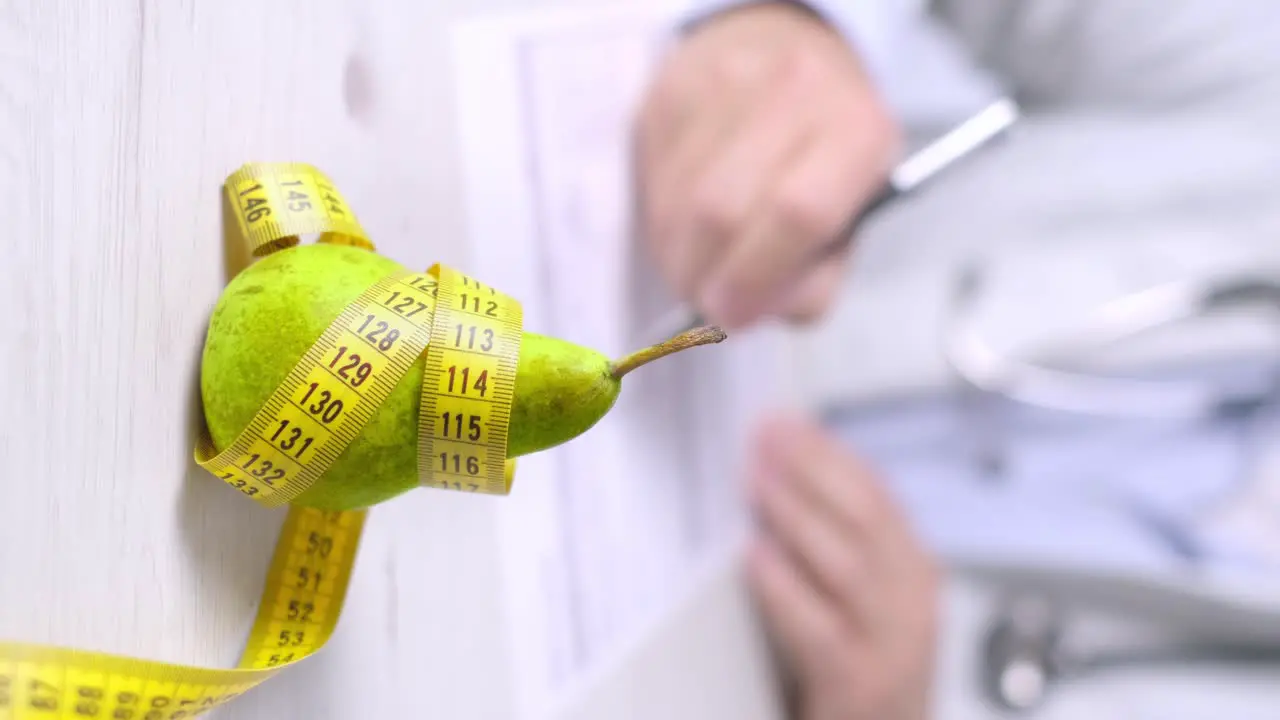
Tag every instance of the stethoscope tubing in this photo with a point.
(1032, 383)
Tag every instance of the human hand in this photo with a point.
(758, 139)
(841, 582)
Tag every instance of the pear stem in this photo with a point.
(705, 335)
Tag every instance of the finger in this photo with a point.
(893, 560)
(667, 208)
(833, 561)
(817, 292)
(665, 105)
(808, 628)
(722, 193)
(709, 114)
(669, 114)
(803, 211)
(832, 479)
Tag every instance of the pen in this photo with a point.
(911, 173)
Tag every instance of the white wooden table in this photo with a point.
(120, 121)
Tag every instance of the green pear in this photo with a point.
(274, 310)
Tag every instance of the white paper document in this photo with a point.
(605, 535)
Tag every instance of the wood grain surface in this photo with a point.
(119, 121)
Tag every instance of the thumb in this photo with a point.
(815, 293)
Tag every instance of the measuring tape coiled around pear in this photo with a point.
(329, 395)
(468, 386)
(470, 335)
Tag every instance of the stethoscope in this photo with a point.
(1021, 374)
(1023, 653)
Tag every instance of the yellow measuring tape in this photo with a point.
(469, 334)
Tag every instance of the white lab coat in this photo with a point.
(1149, 150)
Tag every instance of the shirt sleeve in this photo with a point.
(875, 28)
(924, 74)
